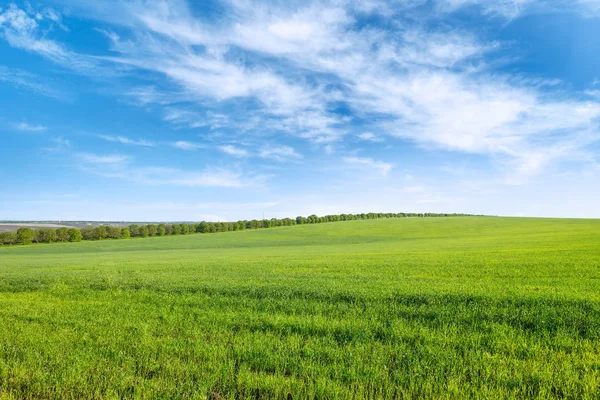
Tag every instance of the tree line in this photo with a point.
(25, 236)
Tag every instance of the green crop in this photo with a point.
(474, 307)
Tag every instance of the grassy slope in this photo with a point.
(491, 307)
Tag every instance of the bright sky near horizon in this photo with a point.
(162, 110)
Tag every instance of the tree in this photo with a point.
(125, 233)
(152, 229)
(184, 229)
(134, 230)
(175, 229)
(62, 235)
(143, 231)
(88, 233)
(45, 235)
(8, 237)
(25, 235)
(202, 227)
(213, 227)
(161, 230)
(100, 232)
(74, 235)
(113, 232)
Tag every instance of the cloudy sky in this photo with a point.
(224, 110)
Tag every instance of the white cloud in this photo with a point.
(16, 19)
(61, 141)
(484, 115)
(456, 170)
(23, 126)
(104, 159)
(22, 79)
(370, 137)
(316, 126)
(53, 16)
(511, 9)
(382, 167)
(218, 178)
(211, 74)
(328, 149)
(60, 144)
(284, 67)
(505, 8)
(210, 206)
(591, 8)
(125, 140)
(173, 176)
(122, 167)
(184, 117)
(436, 49)
(184, 145)
(281, 153)
(20, 30)
(593, 93)
(234, 151)
(27, 30)
(280, 30)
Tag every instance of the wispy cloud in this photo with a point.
(428, 99)
(104, 159)
(593, 93)
(382, 167)
(505, 8)
(487, 115)
(234, 151)
(214, 178)
(26, 29)
(189, 146)
(370, 137)
(313, 69)
(511, 9)
(208, 206)
(456, 170)
(28, 81)
(125, 140)
(61, 141)
(123, 167)
(281, 153)
(23, 126)
(592, 6)
(59, 144)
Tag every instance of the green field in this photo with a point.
(470, 307)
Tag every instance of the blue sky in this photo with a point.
(225, 110)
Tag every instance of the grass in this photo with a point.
(469, 307)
